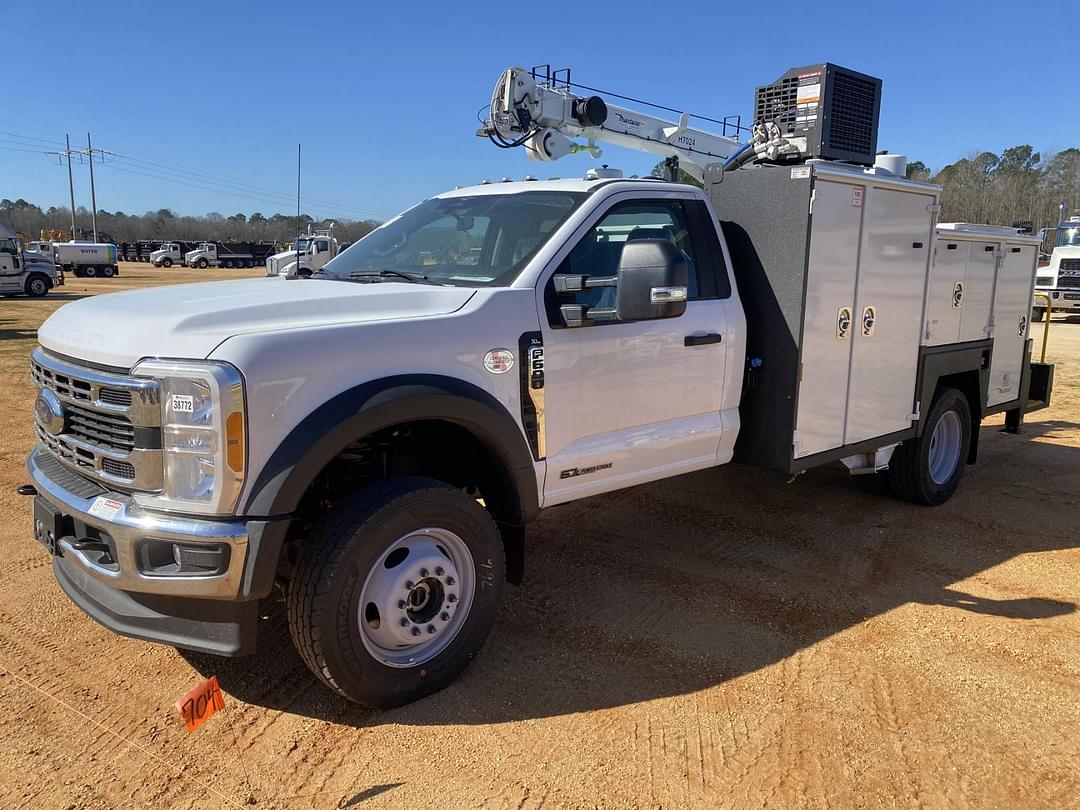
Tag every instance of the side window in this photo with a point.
(598, 252)
(322, 246)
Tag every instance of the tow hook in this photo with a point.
(26, 489)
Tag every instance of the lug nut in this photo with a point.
(416, 631)
(409, 584)
(431, 628)
(401, 604)
(451, 597)
(423, 572)
(404, 622)
(450, 580)
(445, 617)
(439, 571)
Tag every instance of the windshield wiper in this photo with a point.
(382, 275)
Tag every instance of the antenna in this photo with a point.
(298, 205)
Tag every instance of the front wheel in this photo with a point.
(928, 469)
(396, 590)
(37, 287)
(202, 264)
(166, 263)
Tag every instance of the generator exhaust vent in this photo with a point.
(834, 108)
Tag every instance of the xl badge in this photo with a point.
(499, 361)
(49, 412)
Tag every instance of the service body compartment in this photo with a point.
(980, 286)
(832, 264)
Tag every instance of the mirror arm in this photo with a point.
(566, 284)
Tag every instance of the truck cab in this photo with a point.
(1060, 278)
(167, 255)
(307, 255)
(204, 255)
(22, 272)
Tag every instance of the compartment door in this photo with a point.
(1012, 315)
(828, 319)
(945, 296)
(978, 291)
(893, 265)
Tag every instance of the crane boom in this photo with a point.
(543, 117)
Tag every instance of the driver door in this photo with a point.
(627, 403)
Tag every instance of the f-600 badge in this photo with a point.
(574, 472)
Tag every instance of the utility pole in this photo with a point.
(93, 198)
(71, 185)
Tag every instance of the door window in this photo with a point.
(598, 252)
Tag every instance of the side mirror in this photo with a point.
(653, 279)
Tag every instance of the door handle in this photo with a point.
(702, 340)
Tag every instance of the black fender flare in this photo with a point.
(383, 403)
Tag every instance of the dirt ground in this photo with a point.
(725, 639)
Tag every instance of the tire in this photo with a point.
(108, 271)
(305, 273)
(249, 263)
(345, 615)
(202, 264)
(1037, 314)
(90, 271)
(166, 263)
(37, 287)
(927, 470)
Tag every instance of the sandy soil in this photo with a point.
(722, 639)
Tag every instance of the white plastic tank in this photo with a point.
(893, 164)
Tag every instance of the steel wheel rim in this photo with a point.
(416, 597)
(37, 286)
(945, 444)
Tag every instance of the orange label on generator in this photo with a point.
(201, 703)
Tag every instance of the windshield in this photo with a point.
(301, 245)
(1068, 236)
(467, 241)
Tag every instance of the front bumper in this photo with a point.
(113, 560)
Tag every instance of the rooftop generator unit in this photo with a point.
(835, 109)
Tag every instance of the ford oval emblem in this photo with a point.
(49, 412)
(499, 361)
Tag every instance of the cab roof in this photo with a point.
(574, 185)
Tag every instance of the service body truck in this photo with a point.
(308, 254)
(87, 259)
(1059, 280)
(25, 272)
(375, 438)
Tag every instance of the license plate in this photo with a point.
(50, 524)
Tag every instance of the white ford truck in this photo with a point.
(375, 438)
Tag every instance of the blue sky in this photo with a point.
(383, 96)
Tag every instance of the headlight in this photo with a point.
(202, 436)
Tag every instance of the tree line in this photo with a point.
(29, 220)
(1019, 185)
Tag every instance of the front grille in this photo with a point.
(1070, 264)
(1069, 281)
(75, 484)
(103, 429)
(112, 423)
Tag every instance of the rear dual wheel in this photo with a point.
(928, 469)
(396, 590)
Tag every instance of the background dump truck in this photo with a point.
(25, 272)
(308, 254)
(1057, 284)
(375, 440)
(228, 254)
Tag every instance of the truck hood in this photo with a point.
(191, 320)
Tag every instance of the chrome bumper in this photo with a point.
(131, 526)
